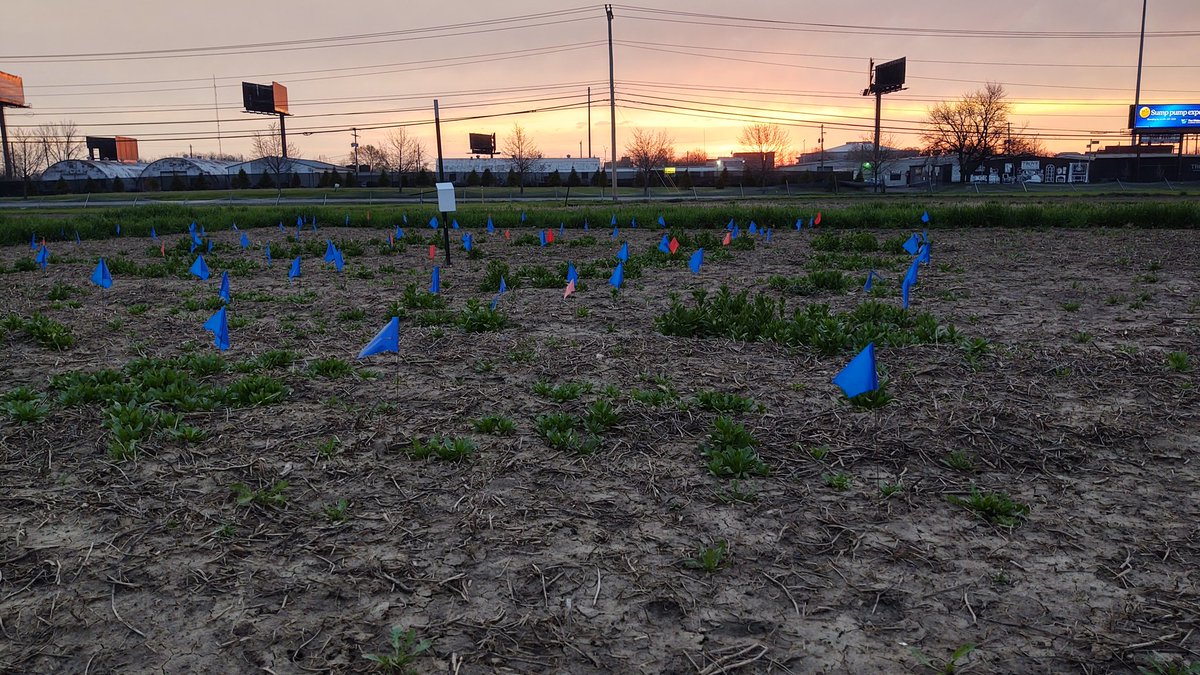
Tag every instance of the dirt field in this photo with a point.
(522, 558)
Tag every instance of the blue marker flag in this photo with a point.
(561, 227)
(753, 228)
(347, 220)
(245, 241)
(542, 237)
(281, 226)
(665, 245)
(614, 220)
(859, 376)
(299, 222)
(585, 225)
(192, 227)
(623, 254)
(199, 268)
(33, 241)
(233, 227)
(43, 257)
(522, 216)
(454, 223)
(923, 257)
(925, 217)
(76, 237)
(769, 231)
(405, 217)
(490, 227)
(912, 243)
(102, 277)
(911, 275)
(696, 260)
(436, 284)
(210, 245)
(870, 277)
(729, 225)
(799, 223)
(661, 222)
(614, 233)
(330, 250)
(153, 234)
(503, 286)
(399, 233)
(386, 340)
(224, 292)
(118, 229)
(433, 222)
(267, 250)
(338, 261)
(618, 276)
(295, 269)
(905, 286)
(220, 329)
(467, 241)
(633, 222)
(572, 275)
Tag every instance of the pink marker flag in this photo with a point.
(569, 289)
(728, 238)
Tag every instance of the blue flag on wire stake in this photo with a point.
(101, 276)
(870, 276)
(925, 217)
(572, 275)
(618, 276)
(614, 220)
(799, 223)
(522, 216)
(614, 233)
(696, 261)
(43, 257)
(118, 229)
(267, 251)
(338, 261)
(542, 237)
(433, 222)
(467, 241)
(664, 245)
(199, 268)
(33, 241)
(454, 223)
(905, 287)
(623, 254)
(435, 284)
(153, 234)
(503, 289)
(585, 225)
(386, 340)
(491, 229)
(224, 292)
(245, 241)
(661, 221)
(330, 250)
(912, 243)
(210, 245)
(294, 271)
(219, 326)
(859, 376)
(923, 255)
(233, 227)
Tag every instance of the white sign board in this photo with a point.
(445, 192)
(1030, 165)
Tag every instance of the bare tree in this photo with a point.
(28, 153)
(523, 155)
(649, 151)
(768, 141)
(1024, 144)
(405, 154)
(268, 148)
(694, 158)
(61, 141)
(373, 156)
(971, 128)
(877, 167)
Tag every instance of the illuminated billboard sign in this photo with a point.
(1172, 117)
(12, 90)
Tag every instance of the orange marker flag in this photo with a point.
(674, 245)
(570, 288)
(432, 251)
(728, 238)
(162, 249)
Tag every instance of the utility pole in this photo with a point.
(612, 102)
(217, 113)
(1137, 96)
(437, 125)
(589, 122)
(354, 145)
(821, 140)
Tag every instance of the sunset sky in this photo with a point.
(1069, 67)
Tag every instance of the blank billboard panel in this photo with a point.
(889, 76)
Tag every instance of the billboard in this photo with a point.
(265, 98)
(118, 148)
(12, 90)
(1165, 117)
(483, 144)
(889, 76)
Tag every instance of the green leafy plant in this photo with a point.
(1160, 666)
(600, 417)
(947, 666)
(568, 391)
(274, 496)
(405, 649)
(730, 451)
(1071, 306)
(840, 481)
(1180, 362)
(329, 368)
(710, 558)
(336, 512)
(255, 390)
(995, 507)
(497, 425)
(890, 489)
(872, 399)
(960, 460)
(446, 449)
(478, 317)
(726, 403)
(1081, 337)
(737, 493)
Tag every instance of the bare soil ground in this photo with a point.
(524, 559)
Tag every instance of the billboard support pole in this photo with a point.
(8, 167)
(282, 136)
(875, 159)
(437, 126)
(1137, 97)
(612, 102)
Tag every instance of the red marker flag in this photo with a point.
(817, 220)
(728, 238)
(432, 251)
(506, 235)
(570, 288)
(549, 236)
(674, 245)
(162, 249)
